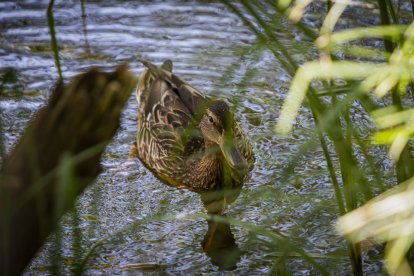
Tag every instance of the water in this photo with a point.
(123, 209)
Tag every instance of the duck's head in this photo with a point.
(218, 127)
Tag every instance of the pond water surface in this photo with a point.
(205, 41)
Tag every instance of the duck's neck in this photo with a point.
(206, 173)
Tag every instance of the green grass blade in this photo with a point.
(51, 23)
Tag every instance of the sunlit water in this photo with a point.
(203, 39)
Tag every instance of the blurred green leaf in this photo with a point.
(391, 31)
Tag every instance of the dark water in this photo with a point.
(124, 209)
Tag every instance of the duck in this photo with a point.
(186, 138)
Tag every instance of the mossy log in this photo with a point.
(55, 159)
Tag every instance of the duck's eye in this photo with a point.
(210, 119)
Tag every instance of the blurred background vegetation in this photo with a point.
(323, 88)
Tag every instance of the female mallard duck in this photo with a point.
(185, 138)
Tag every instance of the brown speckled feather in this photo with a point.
(169, 141)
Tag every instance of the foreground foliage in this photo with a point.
(353, 75)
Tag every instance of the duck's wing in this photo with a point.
(189, 96)
(154, 89)
(244, 145)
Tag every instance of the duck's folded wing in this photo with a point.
(190, 97)
(164, 102)
(244, 145)
(168, 120)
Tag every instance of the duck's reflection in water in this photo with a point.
(219, 242)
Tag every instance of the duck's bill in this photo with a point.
(233, 155)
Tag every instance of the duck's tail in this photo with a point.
(167, 66)
(151, 73)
